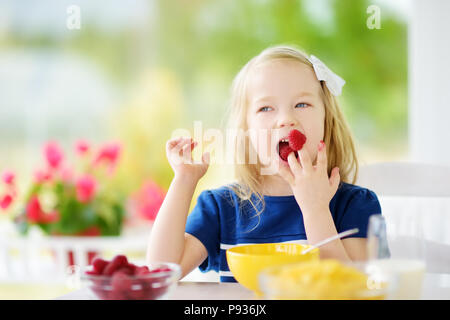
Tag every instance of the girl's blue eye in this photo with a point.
(302, 105)
(264, 109)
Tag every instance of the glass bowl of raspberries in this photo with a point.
(118, 279)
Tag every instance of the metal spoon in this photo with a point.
(338, 236)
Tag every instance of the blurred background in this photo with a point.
(135, 72)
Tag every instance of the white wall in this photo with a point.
(429, 81)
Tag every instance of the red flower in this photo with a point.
(91, 231)
(67, 175)
(50, 217)
(109, 154)
(6, 201)
(41, 176)
(36, 215)
(86, 187)
(8, 177)
(34, 210)
(82, 147)
(149, 199)
(53, 154)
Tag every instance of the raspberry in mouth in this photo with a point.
(292, 143)
(284, 150)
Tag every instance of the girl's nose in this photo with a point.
(288, 123)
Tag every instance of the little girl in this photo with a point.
(310, 196)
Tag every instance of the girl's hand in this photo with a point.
(179, 154)
(310, 184)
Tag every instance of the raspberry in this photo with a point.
(126, 280)
(137, 294)
(284, 152)
(116, 263)
(139, 291)
(93, 273)
(296, 140)
(127, 270)
(160, 270)
(121, 281)
(99, 286)
(141, 271)
(132, 267)
(99, 265)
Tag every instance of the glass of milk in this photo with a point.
(396, 248)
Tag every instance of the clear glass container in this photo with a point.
(152, 286)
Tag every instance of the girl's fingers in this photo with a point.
(186, 152)
(286, 174)
(176, 153)
(294, 164)
(172, 143)
(305, 160)
(179, 150)
(181, 144)
(176, 144)
(321, 162)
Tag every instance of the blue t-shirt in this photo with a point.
(220, 223)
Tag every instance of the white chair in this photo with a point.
(406, 188)
(406, 179)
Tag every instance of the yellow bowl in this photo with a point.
(246, 262)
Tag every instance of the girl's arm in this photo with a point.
(168, 241)
(194, 254)
(356, 248)
(319, 225)
(167, 235)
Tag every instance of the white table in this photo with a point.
(187, 291)
(434, 288)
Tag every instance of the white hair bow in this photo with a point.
(332, 80)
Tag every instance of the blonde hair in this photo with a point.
(337, 136)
